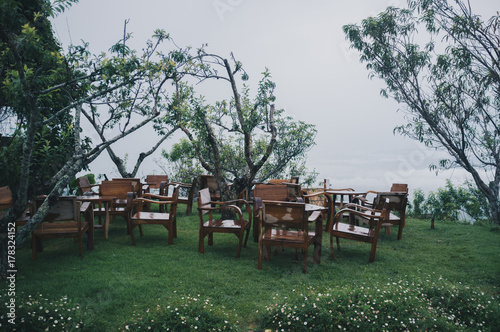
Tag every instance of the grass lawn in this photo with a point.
(118, 283)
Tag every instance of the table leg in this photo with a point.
(106, 221)
(90, 233)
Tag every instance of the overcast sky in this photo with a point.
(319, 79)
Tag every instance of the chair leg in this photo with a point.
(331, 247)
(373, 250)
(132, 234)
(201, 242)
(210, 239)
(304, 260)
(388, 230)
(240, 241)
(400, 231)
(170, 233)
(259, 265)
(246, 237)
(267, 253)
(80, 251)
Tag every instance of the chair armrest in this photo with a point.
(224, 206)
(160, 197)
(182, 185)
(146, 200)
(360, 207)
(314, 216)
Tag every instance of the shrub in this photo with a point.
(39, 313)
(183, 313)
(392, 306)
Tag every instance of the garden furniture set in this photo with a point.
(282, 213)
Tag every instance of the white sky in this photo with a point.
(319, 79)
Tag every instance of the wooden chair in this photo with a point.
(186, 193)
(393, 202)
(120, 190)
(268, 192)
(63, 221)
(136, 186)
(358, 233)
(286, 224)
(317, 197)
(208, 181)
(5, 198)
(85, 188)
(154, 182)
(138, 217)
(236, 226)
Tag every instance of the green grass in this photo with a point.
(118, 283)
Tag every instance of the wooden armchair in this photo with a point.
(236, 226)
(136, 184)
(119, 190)
(154, 182)
(358, 233)
(269, 192)
(317, 197)
(285, 224)
(393, 202)
(85, 188)
(138, 217)
(186, 193)
(63, 221)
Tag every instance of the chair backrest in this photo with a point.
(204, 199)
(284, 215)
(84, 185)
(319, 200)
(175, 195)
(5, 198)
(117, 189)
(277, 181)
(154, 181)
(134, 182)
(394, 201)
(208, 181)
(399, 187)
(67, 208)
(272, 192)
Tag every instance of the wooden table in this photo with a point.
(104, 200)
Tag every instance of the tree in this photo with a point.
(450, 91)
(240, 139)
(48, 92)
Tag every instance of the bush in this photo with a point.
(183, 313)
(39, 313)
(419, 305)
